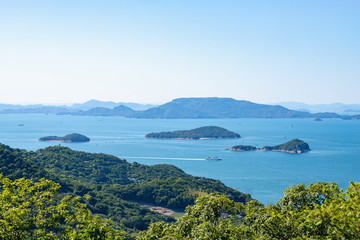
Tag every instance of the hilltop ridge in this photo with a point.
(214, 107)
(187, 108)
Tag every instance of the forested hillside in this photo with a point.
(93, 187)
(111, 182)
(317, 211)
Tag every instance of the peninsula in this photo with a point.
(208, 132)
(74, 137)
(293, 146)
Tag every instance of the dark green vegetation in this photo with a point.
(243, 148)
(197, 133)
(36, 210)
(41, 209)
(319, 211)
(74, 137)
(111, 182)
(293, 146)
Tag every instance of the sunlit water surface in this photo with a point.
(335, 144)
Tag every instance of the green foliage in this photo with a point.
(73, 137)
(175, 192)
(32, 210)
(163, 185)
(51, 138)
(197, 133)
(294, 145)
(243, 148)
(15, 163)
(319, 211)
(87, 167)
(111, 181)
(210, 218)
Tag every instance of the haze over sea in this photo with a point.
(335, 144)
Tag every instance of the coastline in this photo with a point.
(208, 138)
(262, 149)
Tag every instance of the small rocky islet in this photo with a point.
(73, 137)
(293, 146)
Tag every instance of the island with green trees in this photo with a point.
(293, 146)
(207, 132)
(74, 137)
(242, 148)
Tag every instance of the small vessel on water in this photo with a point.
(213, 158)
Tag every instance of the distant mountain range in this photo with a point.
(75, 109)
(205, 108)
(103, 111)
(339, 108)
(212, 107)
(223, 108)
(95, 103)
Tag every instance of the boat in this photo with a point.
(213, 158)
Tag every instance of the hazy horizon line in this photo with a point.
(160, 103)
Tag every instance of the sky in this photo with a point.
(153, 51)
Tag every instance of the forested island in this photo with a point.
(293, 146)
(73, 137)
(207, 132)
(242, 148)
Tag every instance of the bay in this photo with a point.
(335, 144)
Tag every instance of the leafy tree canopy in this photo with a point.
(318, 211)
(34, 210)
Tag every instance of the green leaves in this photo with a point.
(318, 211)
(33, 210)
(210, 218)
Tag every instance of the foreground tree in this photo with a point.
(210, 218)
(319, 211)
(34, 210)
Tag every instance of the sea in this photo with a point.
(334, 143)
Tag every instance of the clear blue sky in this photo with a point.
(154, 51)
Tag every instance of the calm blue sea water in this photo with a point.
(335, 145)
